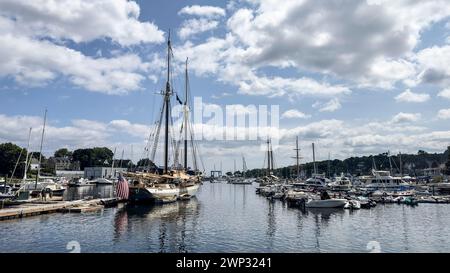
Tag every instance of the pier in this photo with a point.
(31, 208)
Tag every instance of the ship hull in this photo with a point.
(160, 195)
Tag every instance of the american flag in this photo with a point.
(122, 189)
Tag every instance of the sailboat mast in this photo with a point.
(297, 157)
(186, 117)
(401, 167)
(268, 157)
(167, 105)
(26, 158)
(40, 149)
(328, 164)
(390, 162)
(271, 157)
(314, 159)
(112, 163)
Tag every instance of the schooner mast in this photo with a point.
(268, 157)
(186, 117)
(166, 106)
(297, 157)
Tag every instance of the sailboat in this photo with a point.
(35, 188)
(243, 180)
(173, 183)
(318, 181)
(270, 178)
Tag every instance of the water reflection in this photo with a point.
(211, 223)
(175, 224)
(95, 191)
(271, 222)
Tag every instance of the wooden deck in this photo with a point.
(39, 207)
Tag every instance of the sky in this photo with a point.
(354, 77)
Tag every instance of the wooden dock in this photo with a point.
(37, 208)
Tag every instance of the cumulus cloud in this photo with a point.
(80, 133)
(443, 114)
(195, 26)
(330, 106)
(445, 93)
(82, 21)
(34, 36)
(324, 37)
(406, 117)
(206, 11)
(408, 96)
(433, 65)
(294, 114)
(108, 75)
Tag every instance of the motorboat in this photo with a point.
(102, 181)
(317, 181)
(327, 203)
(5, 192)
(340, 183)
(383, 180)
(80, 182)
(247, 181)
(353, 205)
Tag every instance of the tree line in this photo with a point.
(12, 155)
(412, 164)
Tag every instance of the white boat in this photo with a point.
(102, 181)
(340, 183)
(80, 182)
(353, 204)
(383, 180)
(443, 187)
(34, 188)
(327, 203)
(318, 181)
(242, 181)
(219, 179)
(5, 192)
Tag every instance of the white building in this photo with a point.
(102, 172)
(34, 164)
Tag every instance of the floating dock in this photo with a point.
(25, 209)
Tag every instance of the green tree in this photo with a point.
(144, 162)
(63, 153)
(95, 157)
(9, 153)
(447, 164)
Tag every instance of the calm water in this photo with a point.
(230, 218)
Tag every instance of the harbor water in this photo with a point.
(229, 218)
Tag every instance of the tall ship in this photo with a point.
(171, 182)
(270, 178)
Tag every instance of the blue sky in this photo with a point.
(356, 77)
